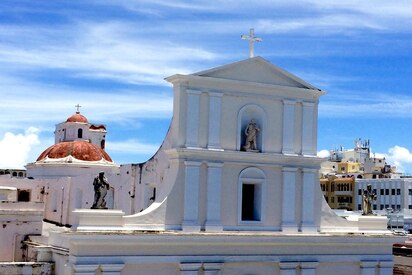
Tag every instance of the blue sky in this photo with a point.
(111, 57)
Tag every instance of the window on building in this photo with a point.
(360, 192)
(387, 192)
(386, 206)
(382, 206)
(359, 207)
(382, 192)
(410, 207)
(398, 191)
(374, 207)
(410, 192)
(80, 133)
(393, 192)
(23, 195)
(393, 206)
(374, 191)
(398, 207)
(251, 204)
(326, 198)
(342, 168)
(332, 200)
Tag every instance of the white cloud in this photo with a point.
(15, 148)
(323, 154)
(400, 157)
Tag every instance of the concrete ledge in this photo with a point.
(372, 223)
(97, 219)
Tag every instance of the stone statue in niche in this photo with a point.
(101, 186)
(368, 197)
(251, 132)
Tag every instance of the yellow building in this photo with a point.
(348, 167)
(339, 192)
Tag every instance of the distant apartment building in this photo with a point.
(393, 194)
(348, 171)
(339, 192)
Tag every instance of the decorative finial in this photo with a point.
(78, 108)
(252, 39)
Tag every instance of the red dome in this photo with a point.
(79, 149)
(77, 117)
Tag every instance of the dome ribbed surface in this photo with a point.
(79, 149)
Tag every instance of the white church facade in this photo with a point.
(233, 189)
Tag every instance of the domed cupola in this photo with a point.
(74, 151)
(77, 117)
(78, 145)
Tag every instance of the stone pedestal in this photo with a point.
(98, 219)
(372, 223)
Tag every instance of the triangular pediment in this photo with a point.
(256, 70)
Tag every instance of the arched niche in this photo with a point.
(245, 115)
(251, 190)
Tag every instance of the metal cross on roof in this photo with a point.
(252, 39)
(78, 108)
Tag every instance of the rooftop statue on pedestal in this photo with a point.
(368, 197)
(100, 191)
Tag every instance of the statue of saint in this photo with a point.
(367, 198)
(100, 191)
(251, 132)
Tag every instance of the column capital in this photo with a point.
(190, 266)
(289, 101)
(193, 163)
(309, 170)
(214, 164)
(308, 104)
(85, 269)
(289, 169)
(288, 265)
(368, 264)
(111, 268)
(193, 92)
(309, 265)
(215, 94)
(212, 266)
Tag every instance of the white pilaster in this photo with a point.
(368, 268)
(288, 200)
(215, 107)
(308, 268)
(190, 268)
(191, 200)
(288, 126)
(288, 268)
(308, 205)
(192, 118)
(307, 129)
(214, 181)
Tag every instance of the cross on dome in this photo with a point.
(78, 108)
(252, 39)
